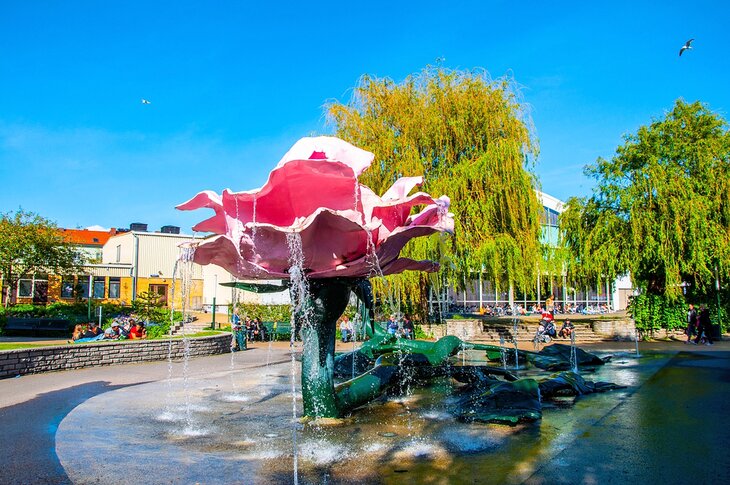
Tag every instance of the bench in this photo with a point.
(278, 330)
(37, 326)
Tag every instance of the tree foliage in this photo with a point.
(149, 307)
(31, 244)
(471, 140)
(660, 206)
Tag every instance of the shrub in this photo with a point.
(267, 313)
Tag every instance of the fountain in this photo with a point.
(325, 245)
(331, 240)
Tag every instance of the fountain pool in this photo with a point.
(237, 428)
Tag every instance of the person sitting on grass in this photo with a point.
(93, 330)
(113, 332)
(92, 334)
(78, 333)
(137, 331)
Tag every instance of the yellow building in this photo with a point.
(149, 259)
(132, 263)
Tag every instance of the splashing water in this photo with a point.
(573, 356)
(502, 352)
(186, 279)
(514, 341)
(463, 347)
(184, 267)
(168, 397)
(377, 271)
(299, 290)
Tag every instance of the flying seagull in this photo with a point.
(686, 46)
(146, 101)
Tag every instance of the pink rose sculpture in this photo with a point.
(346, 229)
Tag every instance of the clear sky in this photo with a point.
(233, 85)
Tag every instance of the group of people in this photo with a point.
(537, 308)
(399, 328)
(546, 326)
(132, 329)
(699, 326)
(402, 329)
(246, 330)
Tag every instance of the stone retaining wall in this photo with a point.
(76, 356)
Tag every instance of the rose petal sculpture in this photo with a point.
(314, 191)
(347, 233)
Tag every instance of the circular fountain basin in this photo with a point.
(236, 427)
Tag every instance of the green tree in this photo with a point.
(660, 208)
(31, 244)
(148, 306)
(470, 138)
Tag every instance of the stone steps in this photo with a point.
(526, 333)
(490, 331)
(190, 327)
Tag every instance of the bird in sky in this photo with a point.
(146, 101)
(686, 46)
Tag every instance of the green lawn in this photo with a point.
(30, 345)
(20, 345)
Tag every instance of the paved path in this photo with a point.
(32, 406)
(672, 429)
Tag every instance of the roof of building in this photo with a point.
(551, 202)
(85, 237)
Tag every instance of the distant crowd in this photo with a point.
(249, 329)
(120, 329)
(498, 310)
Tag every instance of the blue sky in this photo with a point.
(232, 86)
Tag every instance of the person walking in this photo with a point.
(704, 327)
(691, 323)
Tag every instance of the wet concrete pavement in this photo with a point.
(671, 428)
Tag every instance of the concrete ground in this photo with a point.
(670, 429)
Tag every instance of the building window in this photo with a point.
(549, 217)
(83, 286)
(114, 284)
(25, 288)
(119, 253)
(161, 292)
(67, 288)
(35, 287)
(99, 286)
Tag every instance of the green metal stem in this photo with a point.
(318, 322)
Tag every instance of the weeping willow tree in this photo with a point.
(470, 138)
(660, 209)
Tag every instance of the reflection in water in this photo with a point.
(248, 439)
